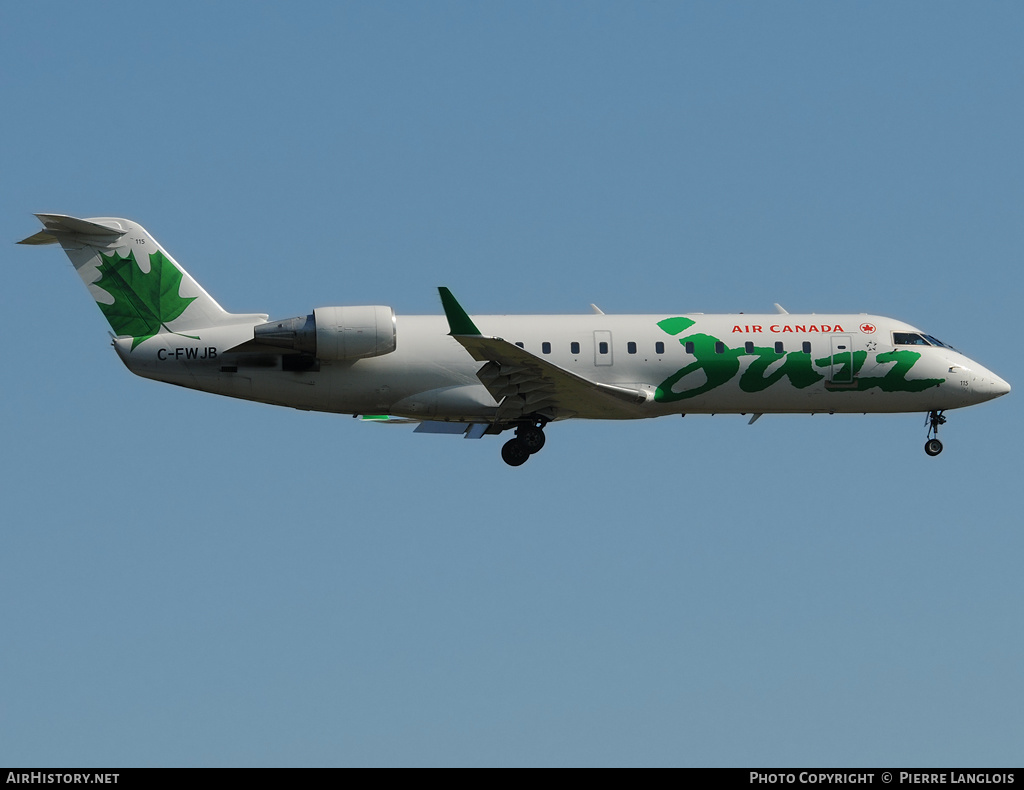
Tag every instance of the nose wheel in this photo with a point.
(933, 446)
(529, 439)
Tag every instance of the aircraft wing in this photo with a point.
(524, 384)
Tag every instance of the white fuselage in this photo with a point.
(685, 363)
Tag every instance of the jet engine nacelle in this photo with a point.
(334, 333)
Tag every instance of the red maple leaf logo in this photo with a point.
(867, 329)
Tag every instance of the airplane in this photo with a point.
(489, 374)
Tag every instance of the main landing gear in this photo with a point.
(933, 446)
(529, 439)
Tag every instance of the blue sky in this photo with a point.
(190, 580)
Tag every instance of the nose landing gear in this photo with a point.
(529, 439)
(933, 446)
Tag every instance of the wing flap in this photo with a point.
(526, 385)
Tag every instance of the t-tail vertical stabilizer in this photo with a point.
(139, 287)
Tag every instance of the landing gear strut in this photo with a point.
(933, 446)
(529, 439)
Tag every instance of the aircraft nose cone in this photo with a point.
(989, 385)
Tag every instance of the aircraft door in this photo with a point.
(842, 361)
(602, 347)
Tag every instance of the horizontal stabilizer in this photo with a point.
(63, 224)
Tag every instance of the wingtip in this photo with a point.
(459, 322)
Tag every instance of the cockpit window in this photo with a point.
(909, 339)
(935, 341)
(918, 339)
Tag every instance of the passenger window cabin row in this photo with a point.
(899, 338)
(659, 347)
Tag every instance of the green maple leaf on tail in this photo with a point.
(143, 302)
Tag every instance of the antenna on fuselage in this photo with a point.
(780, 309)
